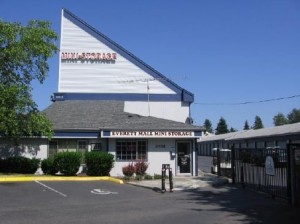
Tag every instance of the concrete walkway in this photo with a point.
(183, 183)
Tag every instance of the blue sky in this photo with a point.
(224, 52)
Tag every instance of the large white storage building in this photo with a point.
(110, 100)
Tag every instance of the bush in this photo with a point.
(67, 163)
(138, 177)
(48, 166)
(128, 170)
(126, 178)
(159, 176)
(99, 163)
(148, 177)
(156, 176)
(141, 167)
(3, 166)
(19, 164)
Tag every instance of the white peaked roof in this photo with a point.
(91, 63)
(289, 129)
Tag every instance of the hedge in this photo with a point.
(99, 163)
(67, 163)
(48, 166)
(19, 164)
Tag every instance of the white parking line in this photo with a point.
(44, 185)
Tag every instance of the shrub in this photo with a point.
(67, 163)
(148, 177)
(128, 170)
(126, 178)
(157, 176)
(138, 177)
(3, 166)
(99, 163)
(33, 165)
(141, 167)
(48, 166)
(19, 164)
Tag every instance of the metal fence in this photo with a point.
(263, 170)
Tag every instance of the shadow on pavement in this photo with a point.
(237, 205)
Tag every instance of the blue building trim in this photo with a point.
(115, 96)
(77, 134)
(105, 133)
(185, 95)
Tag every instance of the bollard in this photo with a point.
(164, 168)
(163, 179)
(242, 177)
(171, 179)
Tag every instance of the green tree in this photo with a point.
(294, 116)
(280, 119)
(24, 51)
(258, 123)
(222, 127)
(246, 125)
(208, 126)
(232, 129)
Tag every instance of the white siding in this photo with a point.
(120, 76)
(156, 157)
(30, 148)
(175, 111)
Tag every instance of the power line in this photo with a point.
(247, 102)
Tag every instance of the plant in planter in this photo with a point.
(128, 170)
(141, 167)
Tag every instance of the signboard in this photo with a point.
(269, 165)
(93, 56)
(149, 134)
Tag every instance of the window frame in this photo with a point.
(138, 150)
(98, 149)
(54, 150)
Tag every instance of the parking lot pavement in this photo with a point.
(108, 202)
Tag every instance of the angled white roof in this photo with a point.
(93, 66)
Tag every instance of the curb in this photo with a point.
(61, 178)
(156, 189)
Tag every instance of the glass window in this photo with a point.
(131, 150)
(96, 146)
(69, 145)
(52, 148)
(82, 146)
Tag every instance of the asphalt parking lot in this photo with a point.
(108, 202)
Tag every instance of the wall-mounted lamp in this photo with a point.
(172, 152)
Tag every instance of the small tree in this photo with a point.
(246, 125)
(280, 119)
(208, 126)
(222, 127)
(24, 51)
(294, 116)
(232, 129)
(258, 123)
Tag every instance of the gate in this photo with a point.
(294, 173)
(263, 170)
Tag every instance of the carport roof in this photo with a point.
(284, 130)
(105, 115)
